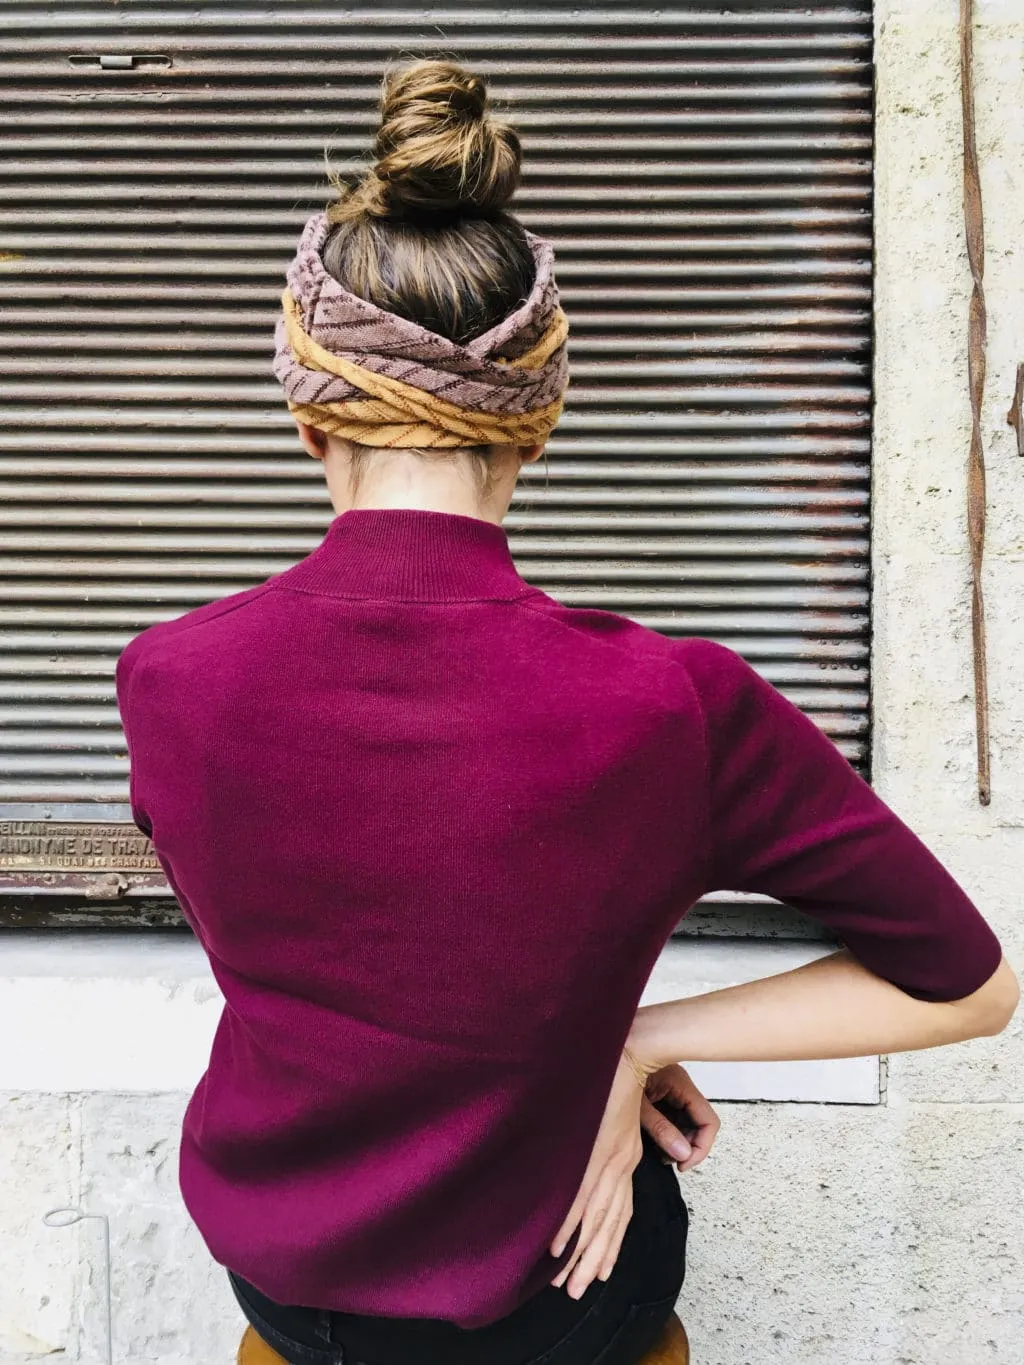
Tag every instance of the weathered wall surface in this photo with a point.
(832, 1234)
(924, 689)
(893, 1234)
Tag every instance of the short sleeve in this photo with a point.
(124, 670)
(789, 816)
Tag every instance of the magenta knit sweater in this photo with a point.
(433, 829)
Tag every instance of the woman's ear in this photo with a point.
(529, 454)
(314, 440)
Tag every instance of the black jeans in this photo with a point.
(615, 1322)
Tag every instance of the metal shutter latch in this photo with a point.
(119, 61)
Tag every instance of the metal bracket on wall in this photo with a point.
(1015, 417)
(976, 356)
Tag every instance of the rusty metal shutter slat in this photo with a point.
(705, 173)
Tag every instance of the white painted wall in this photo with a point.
(849, 1233)
(69, 998)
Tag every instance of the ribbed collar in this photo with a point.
(412, 554)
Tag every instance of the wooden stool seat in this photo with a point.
(671, 1348)
(255, 1351)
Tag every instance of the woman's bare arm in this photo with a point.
(833, 1007)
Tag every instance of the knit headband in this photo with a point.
(354, 370)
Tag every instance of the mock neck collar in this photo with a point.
(412, 554)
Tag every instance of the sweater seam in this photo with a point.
(132, 683)
(255, 593)
(448, 601)
(708, 860)
(695, 694)
(134, 799)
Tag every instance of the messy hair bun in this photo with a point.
(439, 151)
(426, 232)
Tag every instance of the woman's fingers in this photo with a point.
(579, 1204)
(664, 1132)
(574, 1215)
(616, 1236)
(700, 1111)
(603, 1241)
(701, 1138)
(577, 1216)
(701, 1123)
(601, 1245)
(705, 1125)
(593, 1216)
(602, 1211)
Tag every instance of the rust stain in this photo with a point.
(1015, 417)
(977, 334)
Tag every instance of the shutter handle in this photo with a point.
(1015, 417)
(119, 61)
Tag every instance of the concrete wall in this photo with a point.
(894, 1234)
(848, 1233)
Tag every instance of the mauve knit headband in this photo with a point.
(355, 370)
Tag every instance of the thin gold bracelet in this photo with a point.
(634, 1066)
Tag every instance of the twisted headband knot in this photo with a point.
(354, 370)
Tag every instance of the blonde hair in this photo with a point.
(426, 233)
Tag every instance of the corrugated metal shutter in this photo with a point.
(706, 174)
